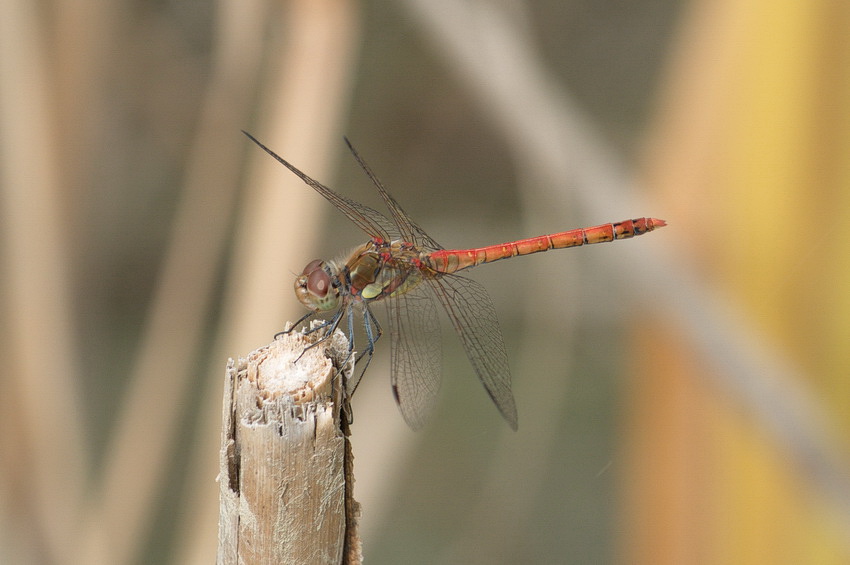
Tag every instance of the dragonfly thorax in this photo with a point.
(317, 287)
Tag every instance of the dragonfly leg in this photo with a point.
(346, 393)
(373, 334)
(331, 324)
(300, 321)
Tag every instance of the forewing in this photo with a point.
(409, 230)
(416, 354)
(474, 318)
(368, 219)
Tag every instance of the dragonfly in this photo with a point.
(403, 267)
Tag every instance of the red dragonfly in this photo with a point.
(402, 263)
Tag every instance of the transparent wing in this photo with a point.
(367, 219)
(474, 318)
(409, 230)
(416, 354)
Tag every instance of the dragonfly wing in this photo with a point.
(367, 219)
(474, 318)
(415, 355)
(409, 230)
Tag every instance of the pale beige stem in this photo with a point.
(285, 464)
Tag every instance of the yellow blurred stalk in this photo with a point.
(751, 155)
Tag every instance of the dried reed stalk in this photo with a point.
(285, 461)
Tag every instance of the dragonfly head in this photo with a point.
(315, 289)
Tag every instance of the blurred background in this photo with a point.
(682, 397)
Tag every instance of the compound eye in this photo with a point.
(312, 266)
(318, 282)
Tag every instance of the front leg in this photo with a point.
(300, 321)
